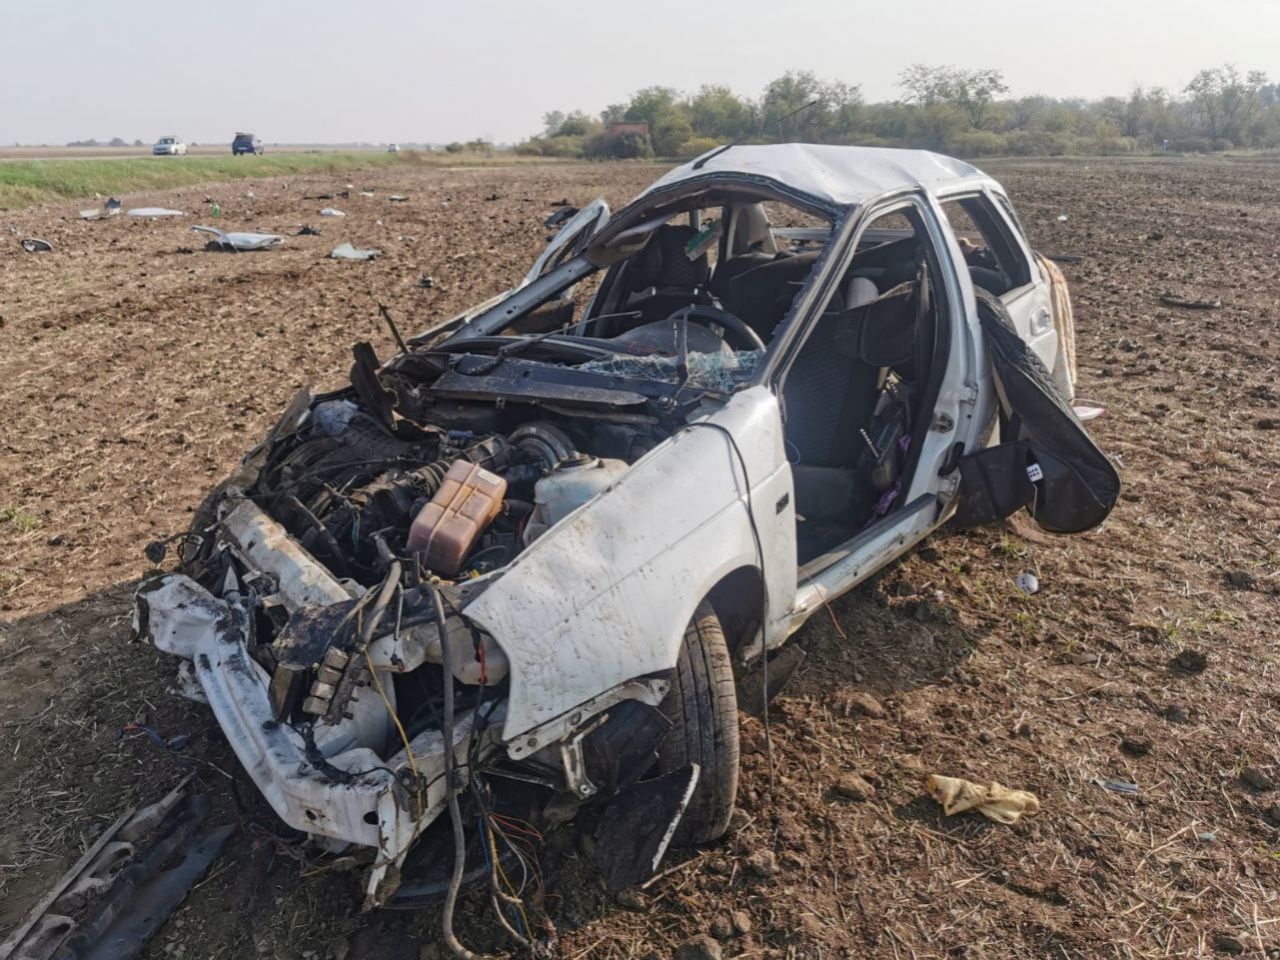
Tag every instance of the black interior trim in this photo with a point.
(864, 536)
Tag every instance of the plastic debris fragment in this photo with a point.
(241, 241)
(345, 251)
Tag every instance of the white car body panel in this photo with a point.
(633, 564)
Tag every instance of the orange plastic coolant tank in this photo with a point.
(446, 529)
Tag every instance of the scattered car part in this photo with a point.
(155, 212)
(36, 245)
(241, 241)
(345, 251)
(331, 212)
(1174, 301)
(124, 887)
(110, 209)
(1117, 786)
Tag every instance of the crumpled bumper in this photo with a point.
(340, 791)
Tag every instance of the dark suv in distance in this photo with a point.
(246, 143)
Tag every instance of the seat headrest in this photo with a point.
(664, 263)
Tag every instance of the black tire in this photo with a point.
(702, 706)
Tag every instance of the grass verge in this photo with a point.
(24, 182)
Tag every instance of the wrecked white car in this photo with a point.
(513, 571)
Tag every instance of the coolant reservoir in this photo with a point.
(571, 485)
(447, 528)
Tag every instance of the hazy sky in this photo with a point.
(383, 70)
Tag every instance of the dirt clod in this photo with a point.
(1190, 661)
(1136, 746)
(701, 947)
(1177, 713)
(1256, 779)
(852, 786)
(632, 898)
(762, 863)
(1224, 943)
(741, 921)
(722, 927)
(856, 703)
(1240, 580)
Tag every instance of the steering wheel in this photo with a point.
(705, 315)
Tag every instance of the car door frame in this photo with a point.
(955, 420)
(574, 237)
(1030, 304)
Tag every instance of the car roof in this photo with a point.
(834, 176)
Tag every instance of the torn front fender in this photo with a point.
(604, 597)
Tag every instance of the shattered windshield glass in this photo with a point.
(717, 372)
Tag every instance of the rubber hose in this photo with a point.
(455, 814)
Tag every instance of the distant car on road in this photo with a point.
(169, 147)
(393, 148)
(246, 143)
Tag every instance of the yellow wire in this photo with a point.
(404, 737)
(524, 918)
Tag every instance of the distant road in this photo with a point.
(204, 150)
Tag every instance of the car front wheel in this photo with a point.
(702, 706)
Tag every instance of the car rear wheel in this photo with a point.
(702, 706)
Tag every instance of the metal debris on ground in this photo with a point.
(155, 212)
(240, 241)
(1027, 582)
(1115, 786)
(397, 198)
(560, 216)
(175, 743)
(1168, 299)
(345, 251)
(110, 209)
(36, 245)
(331, 212)
(127, 884)
(308, 231)
(1086, 410)
(993, 801)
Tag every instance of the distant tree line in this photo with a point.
(948, 109)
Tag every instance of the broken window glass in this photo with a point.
(718, 372)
